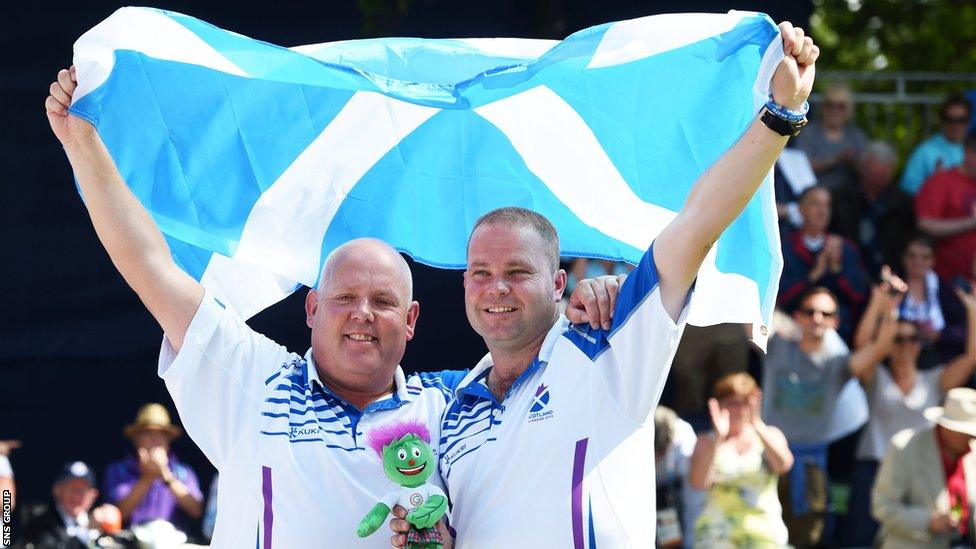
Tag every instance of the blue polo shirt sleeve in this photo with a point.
(634, 357)
(219, 377)
(916, 170)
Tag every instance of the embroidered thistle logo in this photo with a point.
(540, 408)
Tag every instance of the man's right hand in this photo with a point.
(68, 128)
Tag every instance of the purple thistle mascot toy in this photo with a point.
(408, 461)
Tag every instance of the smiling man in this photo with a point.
(548, 440)
(284, 430)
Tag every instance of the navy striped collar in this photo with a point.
(476, 382)
(400, 394)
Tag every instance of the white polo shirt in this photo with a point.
(294, 469)
(567, 458)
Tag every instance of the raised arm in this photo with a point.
(961, 368)
(124, 227)
(776, 451)
(864, 362)
(876, 332)
(703, 458)
(723, 191)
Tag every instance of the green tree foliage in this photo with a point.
(886, 36)
(897, 35)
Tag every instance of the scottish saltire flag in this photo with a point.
(256, 160)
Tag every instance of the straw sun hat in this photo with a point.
(152, 417)
(959, 412)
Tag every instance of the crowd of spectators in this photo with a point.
(861, 434)
(148, 499)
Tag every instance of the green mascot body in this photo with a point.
(408, 461)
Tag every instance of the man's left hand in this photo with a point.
(793, 79)
(593, 301)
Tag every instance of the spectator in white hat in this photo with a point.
(925, 491)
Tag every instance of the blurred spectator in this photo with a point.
(152, 484)
(946, 208)
(68, 524)
(738, 463)
(833, 143)
(792, 174)
(921, 304)
(814, 257)
(952, 340)
(7, 483)
(876, 215)
(924, 493)
(210, 513)
(943, 150)
(678, 504)
(897, 396)
(582, 268)
(804, 377)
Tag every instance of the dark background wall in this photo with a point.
(77, 349)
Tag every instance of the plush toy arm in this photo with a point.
(429, 513)
(373, 520)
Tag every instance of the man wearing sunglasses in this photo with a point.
(804, 374)
(946, 209)
(943, 150)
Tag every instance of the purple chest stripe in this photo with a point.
(268, 511)
(579, 460)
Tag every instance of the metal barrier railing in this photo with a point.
(899, 107)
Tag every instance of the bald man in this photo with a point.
(284, 430)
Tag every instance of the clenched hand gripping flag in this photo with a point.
(256, 160)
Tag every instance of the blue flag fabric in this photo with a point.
(257, 160)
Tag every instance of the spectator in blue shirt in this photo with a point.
(943, 150)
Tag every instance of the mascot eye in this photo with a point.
(402, 454)
(416, 452)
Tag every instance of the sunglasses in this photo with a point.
(955, 119)
(908, 339)
(811, 312)
(836, 105)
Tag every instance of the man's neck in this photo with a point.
(508, 365)
(813, 233)
(358, 397)
(811, 344)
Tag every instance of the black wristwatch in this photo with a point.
(782, 126)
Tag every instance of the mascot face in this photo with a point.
(408, 461)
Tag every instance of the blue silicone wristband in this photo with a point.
(786, 114)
